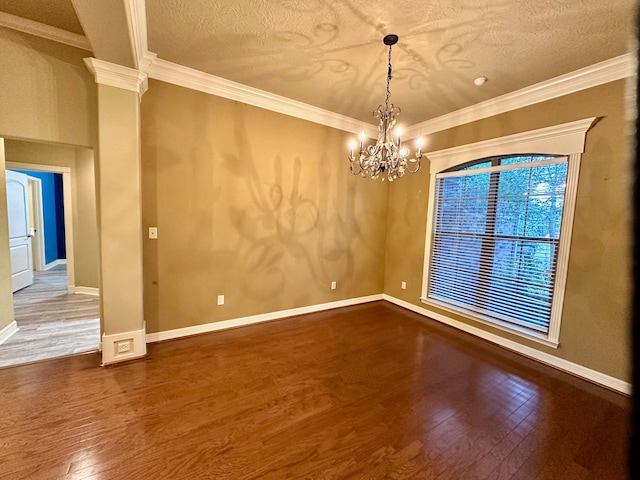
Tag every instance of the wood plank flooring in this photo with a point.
(365, 392)
(51, 322)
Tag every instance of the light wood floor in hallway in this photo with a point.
(366, 392)
(51, 322)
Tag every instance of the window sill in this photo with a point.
(505, 327)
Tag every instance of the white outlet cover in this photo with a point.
(220, 299)
(403, 285)
(333, 285)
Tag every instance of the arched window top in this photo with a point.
(489, 162)
(565, 139)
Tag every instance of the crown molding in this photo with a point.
(45, 31)
(106, 73)
(196, 80)
(135, 12)
(607, 71)
(566, 138)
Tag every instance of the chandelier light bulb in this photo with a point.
(420, 142)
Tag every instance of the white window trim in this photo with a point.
(566, 139)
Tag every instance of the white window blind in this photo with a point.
(495, 239)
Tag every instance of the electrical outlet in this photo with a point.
(153, 232)
(220, 299)
(403, 285)
(123, 346)
(333, 285)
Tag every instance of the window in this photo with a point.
(499, 227)
(495, 238)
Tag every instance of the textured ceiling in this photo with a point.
(55, 13)
(330, 53)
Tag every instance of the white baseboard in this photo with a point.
(264, 317)
(559, 363)
(8, 331)
(55, 263)
(134, 340)
(87, 291)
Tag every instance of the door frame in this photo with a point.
(68, 211)
(37, 245)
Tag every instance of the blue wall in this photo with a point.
(62, 250)
(53, 213)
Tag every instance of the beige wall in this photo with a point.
(251, 204)
(80, 161)
(85, 230)
(595, 329)
(46, 93)
(6, 298)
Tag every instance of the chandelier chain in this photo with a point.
(386, 101)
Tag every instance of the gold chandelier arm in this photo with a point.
(417, 162)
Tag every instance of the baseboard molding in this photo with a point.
(8, 331)
(264, 317)
(134, 341)
(559, 363)
(93, 291)
(55, 263)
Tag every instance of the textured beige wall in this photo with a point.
(119, 210)
(46, 93)
(251, 204)
(596, 317)
(80, 161)
(6, 298)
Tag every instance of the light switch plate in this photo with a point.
(153, 232)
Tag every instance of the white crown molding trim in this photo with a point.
(264, 317)
(135, 340)
(92, 291)
(135, 12)
(607, 71)
(567, 138)
(45, 31)
(196, 80)
(8, 331)
(546, 358)
(106, 73)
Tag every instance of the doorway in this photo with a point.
(55, 316)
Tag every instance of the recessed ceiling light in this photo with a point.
(480, 81)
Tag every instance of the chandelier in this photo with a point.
(388, 158)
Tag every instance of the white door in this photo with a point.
(19, 230)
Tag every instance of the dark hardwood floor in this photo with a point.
(365, 392)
